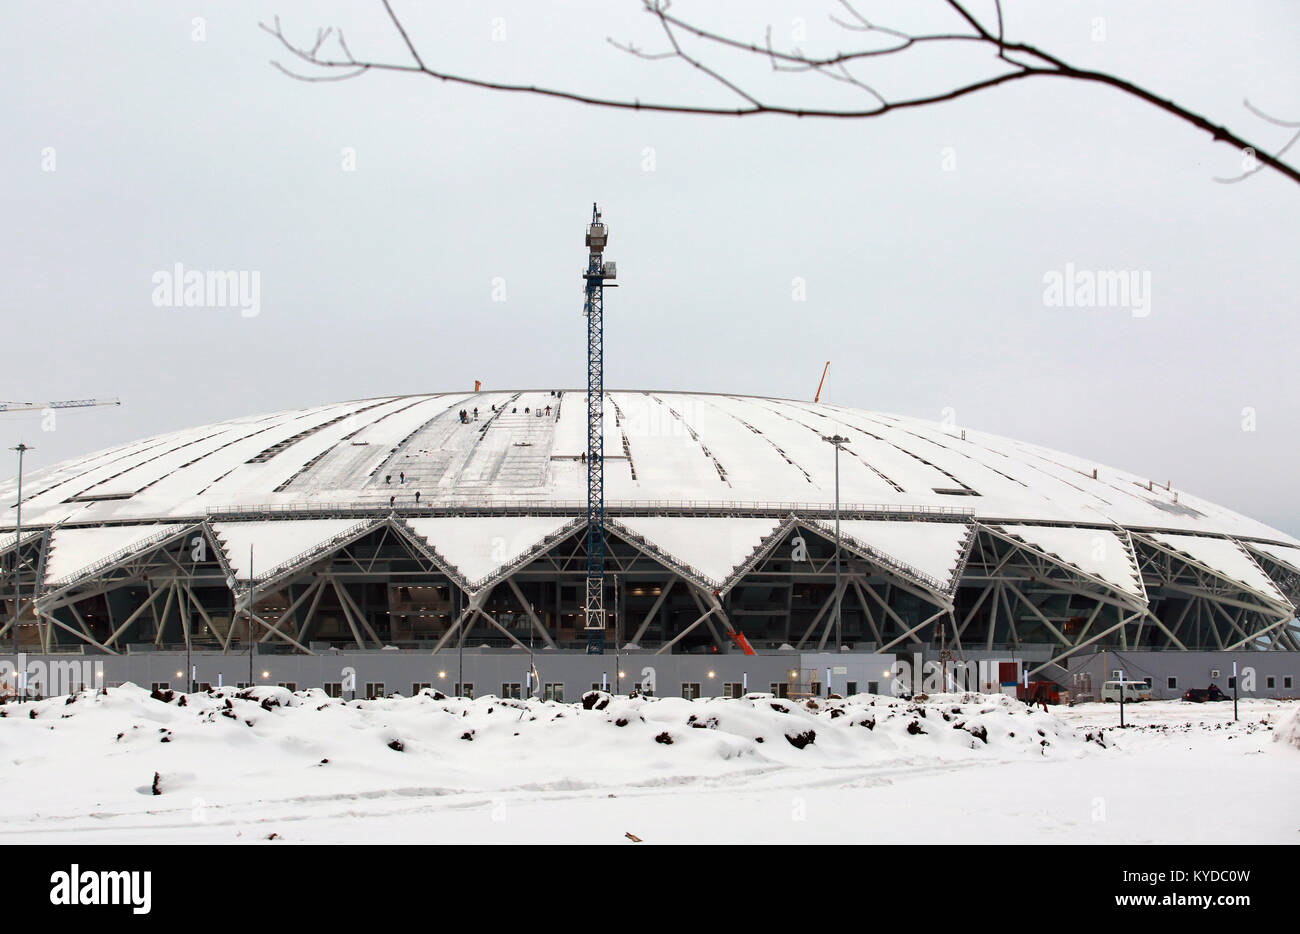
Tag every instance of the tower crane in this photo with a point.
(65, 404)
(596, 273)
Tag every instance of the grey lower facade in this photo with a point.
(565, 676)
(1262, 674)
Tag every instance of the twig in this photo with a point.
(1024, 60)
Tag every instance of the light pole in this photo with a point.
(189, 658)
(252, 682)
(838, 441)
(18, 546)
(618, 663)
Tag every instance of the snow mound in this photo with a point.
(1288, 731)
(602, 734)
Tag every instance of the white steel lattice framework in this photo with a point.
(718, 520)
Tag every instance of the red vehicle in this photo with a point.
(1042, 692)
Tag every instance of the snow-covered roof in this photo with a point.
(270, 546)
(1227, 559)
(76, 551)
(666, 454)
(477, 547)
(1282, 554)
(930, 552)
(1098, 552)
(711, 549)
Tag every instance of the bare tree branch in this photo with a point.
(1019, 60)
(1249, 158)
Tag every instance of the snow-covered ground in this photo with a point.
(266, 764)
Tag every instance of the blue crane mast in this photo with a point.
(597, 272)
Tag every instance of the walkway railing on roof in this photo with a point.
(466, 507)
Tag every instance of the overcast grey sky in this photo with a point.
(923, 237)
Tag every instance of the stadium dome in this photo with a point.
(393, 521)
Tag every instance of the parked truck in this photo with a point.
(1042, 692)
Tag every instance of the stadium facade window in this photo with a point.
(733, 689)
(203, 687)
(553, 691)
(511, 689)
(289, 685)
(162, 686)
(1287, 682)
(873, 687)
(690, 689)
(643, 690)
(1270, 682)
(468, 689)
(779, 689)
(333, 688)
(374, 690)
(418, 686)
(851, 688)
(1172, 683)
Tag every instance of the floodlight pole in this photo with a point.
(18, 552)
(838, 441)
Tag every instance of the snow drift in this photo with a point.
(265, 764)
(169, 742)
(1288, 731)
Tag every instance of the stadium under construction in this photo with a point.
(706, 537)
(451, 528)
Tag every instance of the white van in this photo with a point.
(1133, 691)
